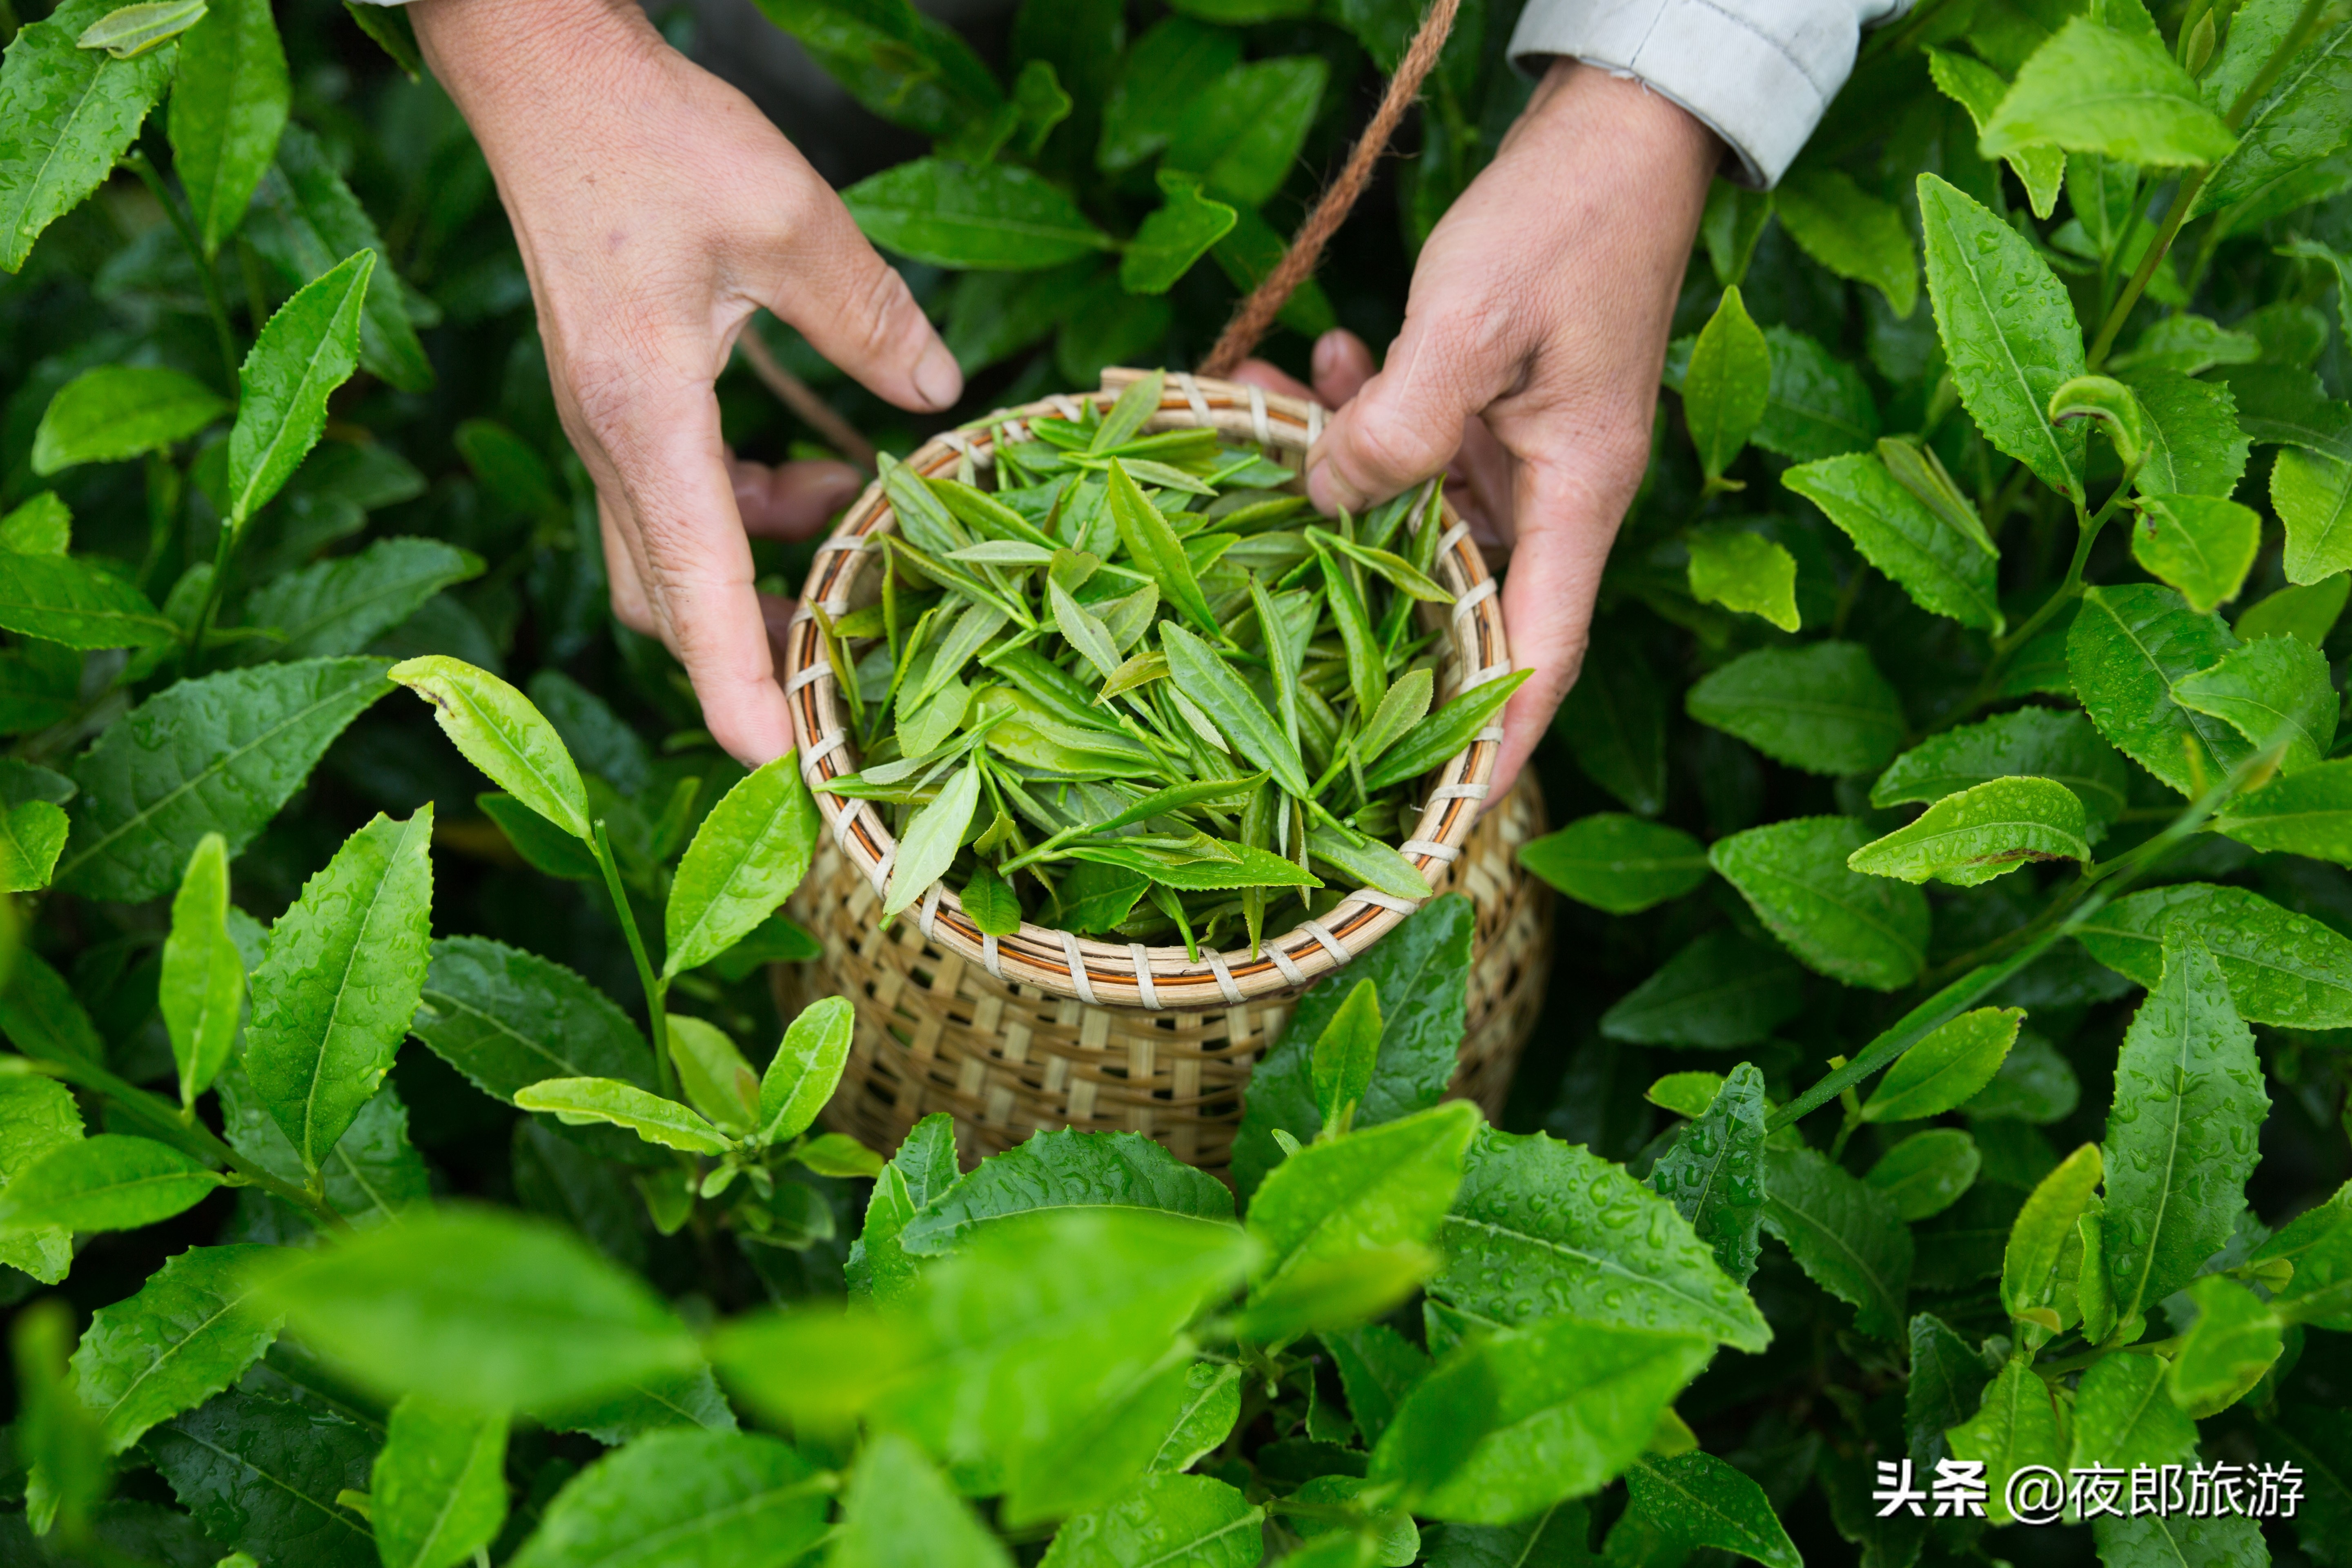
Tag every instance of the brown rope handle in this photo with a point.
(1256, 313)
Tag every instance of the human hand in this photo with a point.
(1528, 366)
(655, 209)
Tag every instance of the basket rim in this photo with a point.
(1133, 976)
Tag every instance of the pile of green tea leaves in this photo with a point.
(1140, 689)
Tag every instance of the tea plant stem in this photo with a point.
(216, 303)
(2076, 906)
(2183, 199)
(190, 1135)
(202, 627)
(656, 991)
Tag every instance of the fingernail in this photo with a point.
(938, 378)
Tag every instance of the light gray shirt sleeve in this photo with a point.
(1757, 72)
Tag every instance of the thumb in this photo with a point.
(856, 311)
(1405, 425)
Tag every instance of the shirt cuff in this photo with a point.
(1758, 73)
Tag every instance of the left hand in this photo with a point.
(1528, 367)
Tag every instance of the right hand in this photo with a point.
(656, 209)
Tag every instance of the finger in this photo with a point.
(1405, 423)
(791, 500)
(1342, 364)
(1565, 529)
(695, 560)
(624, 577)
(855, 309)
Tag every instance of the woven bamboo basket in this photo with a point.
(1223, 1000)
(935, 1031)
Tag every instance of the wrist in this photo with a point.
(502, 59)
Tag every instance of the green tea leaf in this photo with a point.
(59, 599)
(508, 1019)
(1723, 389)
(1155, 548)
(1228, 700)
(1850, 232)
(1243, 136)
(1183, 1521)
(109, 1182)
(1697, 1500)
(690, 1497)
(202, 987)
(1940, 567)
(807, 1065)
(2122, 1418)
(1824, 707)
(499, 731)
(1946, 1069)
(2308, 813)
(1858, 929)
(898, 1510)
(2180, 1135)
(304, 219)
(228, 104)
(480, 1309)
(1525, 1417)
(129, 31)
(2127, 647)
(1377, 1367)
(70, 113)
(2203, 545)
(1169, 240)
(909, 68)
(2312, 494)
(1543, 1227)
(2235, 1341)
(1927, 1173)
(2277, 688)
(208, 755)
(1978, 88)
(36, 1115)
(306, 351)
(267, 1475)
(438, 1489)
(1617, 863)
(32, 836)
(2194, 444)
(1382, 1188)
(2045, 743)
(2096, 89)
(933, 834)
(2282, 967)
(333, 1000)
(1847, 1235)
(1983, 832)
(2294, 125)
(1421, 971)
(117, 412)
(746, 858)
(1404, 705)
(1344, 1054)
(2016, 1425)
(1372, 864)
(1065, 1170)
(2008, 331)
(577, 1102)
(1743, 571)
(992, 216)
(1714, 1174)
(1169, 71)
(191, 1331)
(713, 1075)
(2029, 1264)
(1722, 991)
(342, 605)
(1444, 733)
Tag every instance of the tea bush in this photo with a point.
(1916, 780)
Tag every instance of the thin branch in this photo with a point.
(795, 394)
